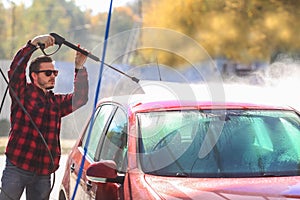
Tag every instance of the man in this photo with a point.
(33, 149)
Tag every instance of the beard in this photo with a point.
(47, 85)
(49, 88)
(51, 84)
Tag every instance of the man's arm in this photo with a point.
(81, 88)
(71, 102)
(80, 95)
(17, 70)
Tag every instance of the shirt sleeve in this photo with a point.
(17, 70)
(79, 97)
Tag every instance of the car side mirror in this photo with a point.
(104, 171)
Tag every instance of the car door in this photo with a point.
(102, 115)
(114, 147)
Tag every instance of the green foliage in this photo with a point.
(242, 30)
(21, 23)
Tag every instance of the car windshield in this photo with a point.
(223, 143)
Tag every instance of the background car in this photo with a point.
(146, 147)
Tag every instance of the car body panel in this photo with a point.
(227, 188)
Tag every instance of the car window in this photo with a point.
(250, 143)
(161, 127)
(101, 117)
(115, 142)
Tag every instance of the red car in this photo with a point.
(165, 148)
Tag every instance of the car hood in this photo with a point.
(225, 188)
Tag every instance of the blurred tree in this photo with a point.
(55, 16)
(20, 23)
(6, 35)
(245, 31)
(241, 30)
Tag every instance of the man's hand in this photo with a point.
(47, 40)
(79, 59)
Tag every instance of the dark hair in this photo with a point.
(35, 64)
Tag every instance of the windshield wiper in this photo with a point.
(181, 174)
(279, 174)
(270, 174)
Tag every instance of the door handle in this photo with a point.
(89, 185)
(72, 167)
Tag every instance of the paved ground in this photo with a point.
(58, 176)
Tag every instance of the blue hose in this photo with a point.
(95, 100)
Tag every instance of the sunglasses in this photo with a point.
(48, 72)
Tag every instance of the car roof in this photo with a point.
(160, 95)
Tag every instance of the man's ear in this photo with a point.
(34, 77)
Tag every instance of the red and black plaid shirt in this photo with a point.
(25, 147)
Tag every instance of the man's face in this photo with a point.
(44, 79)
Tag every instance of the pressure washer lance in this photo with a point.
(60, 40)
